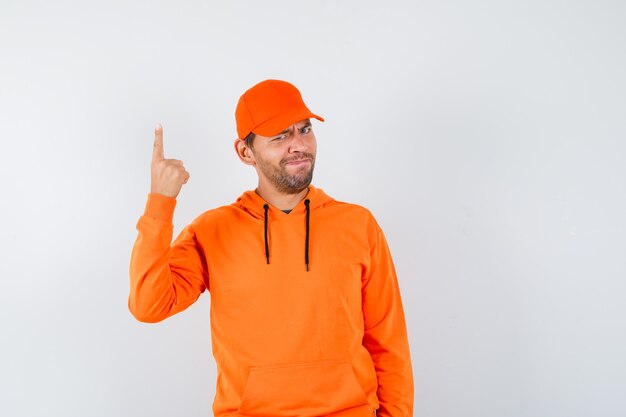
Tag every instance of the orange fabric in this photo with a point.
(328, 342)
(268, 107)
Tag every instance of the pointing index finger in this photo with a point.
(157, 152)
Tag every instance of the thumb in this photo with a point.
(157, 151)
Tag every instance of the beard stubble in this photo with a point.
(285, 182)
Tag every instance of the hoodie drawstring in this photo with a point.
(306, 242)
(267, 247)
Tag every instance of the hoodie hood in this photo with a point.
(256, 206)
(253, 204)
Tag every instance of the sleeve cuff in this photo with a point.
(160, 207)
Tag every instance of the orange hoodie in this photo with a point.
(287, 341)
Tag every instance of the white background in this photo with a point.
(487, 137)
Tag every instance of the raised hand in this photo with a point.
(167, 175)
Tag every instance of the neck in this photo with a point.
(280, 200)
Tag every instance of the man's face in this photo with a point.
(287, 159)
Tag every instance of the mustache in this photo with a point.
(301, 156)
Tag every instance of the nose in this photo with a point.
(297, 143)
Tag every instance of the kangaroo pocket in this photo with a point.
(301, 390)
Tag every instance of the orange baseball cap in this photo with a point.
(270, 106)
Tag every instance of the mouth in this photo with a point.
(298, 162)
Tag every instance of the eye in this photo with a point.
(305, 130)
(281, 137)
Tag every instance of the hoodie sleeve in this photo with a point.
(385, 330)
(164, 279)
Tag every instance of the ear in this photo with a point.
(244, 152)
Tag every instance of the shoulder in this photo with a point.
(218, 215)
(354, 213)
(351, 208)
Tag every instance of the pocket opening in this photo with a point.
(311, 389)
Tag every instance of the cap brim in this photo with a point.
(278, 123)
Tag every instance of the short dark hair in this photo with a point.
(249, 139)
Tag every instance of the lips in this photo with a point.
(298, 162)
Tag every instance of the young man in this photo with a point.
(306, 314)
